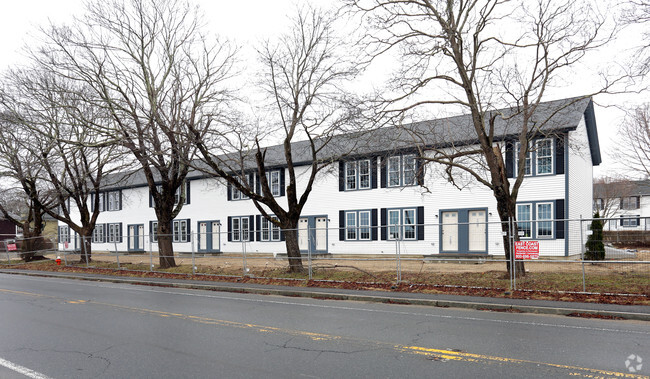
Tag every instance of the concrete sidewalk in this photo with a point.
(632, 312)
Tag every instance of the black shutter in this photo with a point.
(373, 223)
(189, 230)
(638, 221)
(258, 186)
(420, 223)
(150, 199)
(559, 217)
(282, 237)
(282, 182)
(341, 225)
(92, 202)
(104, 230)
(187, 192)
(120, 196)
(69, 240)
(621, 222)
(419, 166)
(559, 155)
(382, 166)
(373, 170)
(384, 221)
(229, 228)
(510, 160)
(251, 228)
(251, 181)
(258, 228)
(151, 231)
(341, 176)
(229, 190)
(638, 202)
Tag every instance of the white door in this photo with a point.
(216, 230)
(477, 231)
(141, 237)
(132, 237)
(303, 239)
(321, 233)
(449, 231)
(203, 236)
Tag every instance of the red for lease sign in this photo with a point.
(526, 249)
(11, 247)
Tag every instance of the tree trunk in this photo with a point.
(293, 250)
(506, 207)
(86, 246)
(165, 247)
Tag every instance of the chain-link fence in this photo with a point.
(549, 255)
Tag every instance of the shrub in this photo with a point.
(595, 247)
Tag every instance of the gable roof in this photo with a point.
(550, 117)
(622, 188)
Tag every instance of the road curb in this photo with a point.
(562, 311)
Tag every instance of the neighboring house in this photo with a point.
(625, 204)
(7, 230)
(380, 194)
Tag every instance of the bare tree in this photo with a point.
(303, 79)
(608, 192)
(53, 117)
(155, 74)
(493, 59)
(637, 12)
(634, 142)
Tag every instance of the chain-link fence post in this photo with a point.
(243, 249)
(309, 240)
(7, 251)
(193, 261)
(513, 261)
(65, 257)
(117, 256)
(398, 262)
(582, 255)
(150, 253)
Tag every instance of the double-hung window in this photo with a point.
(544, 151)
(401, 170)
(628, 221)
(64, 234)
(101, 201)
(273, 179)
(180, 231)
(357, 174)
(240, 229)
(527, 160)
(114, 201)
(98, 233)
(270, 231)
(114, 232)
(630, 202)
(599, 204)
(544, 220)
(401, 224)
(154, 231)
(358, 225)
(524, 218)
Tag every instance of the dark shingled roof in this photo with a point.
(622, 189)
(552, 116)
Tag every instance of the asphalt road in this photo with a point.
(57, 328)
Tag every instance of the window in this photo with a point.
(527, 160)
(631, 202)
(357, 174)
(64, 234)
(240, 228)
(273, 178)
(358, 225)
(408, 222)
(544, 217)
(630, 221)
(114, 200)
(270, 231)
(544, 150)
(98, 234)
(180, 232)
(401, 170)
(236, 194)
(393, 223)
(524, 217)
(114, 232)
(599, 204)
(154, 231)
(394, 171)
(351, 226)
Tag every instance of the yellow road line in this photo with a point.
(440, 353)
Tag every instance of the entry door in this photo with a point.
(321, 233)
(477, 231)
(136, 237)
(303, 238)
(449, 231)
(215, 241)
(203, 235)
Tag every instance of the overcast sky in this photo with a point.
(248, 22)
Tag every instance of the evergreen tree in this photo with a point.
(595, 247)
